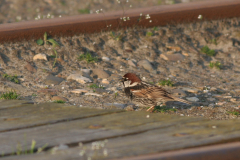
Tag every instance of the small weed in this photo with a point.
(95, 86)
(151, 82)
(208, 51)
(217, 65)
(34, 95)
(155, 28)
(87, 57)
(213, 41)
(163, 109)
(11, 78)
(59, 101)
(165, 83)
(84, 11)
(149, 34)
(115, 95)
(31, 151)
(10, 95)
(50, 41)
(233, 113)
(117, 37)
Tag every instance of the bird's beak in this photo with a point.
(121, 80)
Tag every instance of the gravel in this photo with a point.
(214, 92)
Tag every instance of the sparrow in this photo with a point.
(146, 94)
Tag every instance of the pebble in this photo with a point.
(211, 99)
(86, 71)
(93, 94)
(172, 57)
(79, 91)
(40, 56)
(131, 63)
(179, 92)
(105, 81)
(100, 73)
(56, 98)
(191, 90)
(146, 65)
(106, 59)
(117, 105)
(50, 91)
(30, 68)
(50, 79)
(79, 78)
(193, 99)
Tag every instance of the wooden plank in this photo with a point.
(88, 129)
(176, 134)
(30, 115)
(12, 103)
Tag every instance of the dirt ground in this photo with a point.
(161, 53)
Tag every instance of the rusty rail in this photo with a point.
(160, 15)
(215, 152)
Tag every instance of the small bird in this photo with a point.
(146, 94)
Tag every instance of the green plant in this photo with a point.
(84, 11)
(10, 95)
(115, 95)
(95, 86)
(59, 101)
(165, 83)
(149, 34)
(214, 41)
(208, 51)
(50, 41)
(234, 112)
(217, 65)
(20, 151)
(87, 57)
(11, 78)
(117, 37)
(163, 109)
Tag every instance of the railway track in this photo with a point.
(159, 15)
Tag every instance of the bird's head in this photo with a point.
(130, 80)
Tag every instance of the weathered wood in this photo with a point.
(30, 115)
(12, 103)
(155, 134)
(88, 129)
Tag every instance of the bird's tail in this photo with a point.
(181, 100)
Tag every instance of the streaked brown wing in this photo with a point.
(152, 93)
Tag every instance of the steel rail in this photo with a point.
(228, 151)
(92, 23)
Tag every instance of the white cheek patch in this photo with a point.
(128, 83)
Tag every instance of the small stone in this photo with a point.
(100, 73)
(146, 65)
(211, 99)
(130, 107)
(79, 78)
(79, 91)
(50, 91)
(40, 56)
(62, 147)
(192, 90)
(174, 48)
(57, 98)
(106, 59)
(50, 79)
(30, 68)
(86, 71)
(131, 63)
(172, 57)
(179, 92)
(105, 81)
(116, 105)
(93, 94)
(193, 99)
